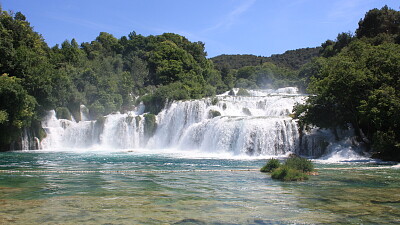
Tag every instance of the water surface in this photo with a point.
(127, 194)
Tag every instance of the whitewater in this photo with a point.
(226, 126)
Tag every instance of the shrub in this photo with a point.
(271, 165)
(137, 119)
(96, 110)
(242, 92)
(299, 163)
(294, 168)
(213, 113)
(214, 101)
(285, 173)
(156, 102)
(63, 113)
(150, 124)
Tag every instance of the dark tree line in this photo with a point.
(250, 71)
(292, 59)
(357, 82)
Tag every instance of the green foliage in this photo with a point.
(156, 102)
(137, 120)
(294, 168)
(271, 165)
(359, 84)
(63, 113)
(214, 101)
(331, 48)
(242, 92)
(298, 163)
(292, 59)
(96, 110)
(249, 71)
(245, 83)
(3, 116)
(379, 21)
(286, 173)
(17, 109)
(150, 124)
(213, 113)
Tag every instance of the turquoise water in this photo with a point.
(122, 188)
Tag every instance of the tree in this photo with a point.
(17, 109)
(379, 21)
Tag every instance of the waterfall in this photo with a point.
(120, 131)
(255, 125)
(258, 124)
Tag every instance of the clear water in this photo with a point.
(336, 195)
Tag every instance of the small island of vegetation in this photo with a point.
(294, 168)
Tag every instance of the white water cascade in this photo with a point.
(259, 124)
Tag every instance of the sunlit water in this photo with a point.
(216, 196)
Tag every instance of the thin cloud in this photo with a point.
(231, 17)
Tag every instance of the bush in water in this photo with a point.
(286, 173)
(271, 165)
(295, 168)
(299, 163)
(213, 113)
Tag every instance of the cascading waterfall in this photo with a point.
(259, 124)
(113, 131)
(254, 125)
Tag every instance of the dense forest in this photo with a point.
(356, 82)
(250, 71)
(292, 59)
(352, 80)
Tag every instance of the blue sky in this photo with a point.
(259, 27)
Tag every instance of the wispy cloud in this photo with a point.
(227, 21)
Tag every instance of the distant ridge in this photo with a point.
(292, 59)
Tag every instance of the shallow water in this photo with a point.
(116, 189)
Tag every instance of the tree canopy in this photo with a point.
(358, 83)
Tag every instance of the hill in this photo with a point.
(292, 59)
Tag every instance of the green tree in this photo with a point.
(379, 21)
(17, 109)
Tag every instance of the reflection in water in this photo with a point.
(225, 197)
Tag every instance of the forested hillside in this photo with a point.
(250, 71)
(357, 82)
(292, 59)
